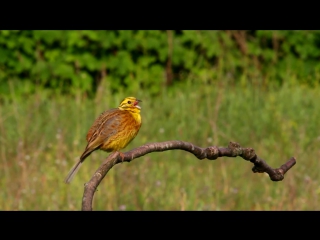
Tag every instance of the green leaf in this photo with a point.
(63, 71)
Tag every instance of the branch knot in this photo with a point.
(212, 152)
(236, 149)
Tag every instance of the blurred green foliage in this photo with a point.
(69, 61)
(221, 90)
(41, 139)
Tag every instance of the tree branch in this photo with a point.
(211, 153)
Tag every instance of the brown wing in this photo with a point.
(99, 122)
(110, 126)
(104, 127)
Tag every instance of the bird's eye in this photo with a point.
(129, 102)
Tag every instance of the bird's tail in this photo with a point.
(76, 167)
(73, 171)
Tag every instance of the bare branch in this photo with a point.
(210, 153)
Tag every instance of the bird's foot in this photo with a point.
(122, 156)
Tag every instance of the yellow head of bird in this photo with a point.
(130, 103)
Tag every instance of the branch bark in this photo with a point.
(210, 153)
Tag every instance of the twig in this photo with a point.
(210, 153)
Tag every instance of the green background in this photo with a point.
(258, 88)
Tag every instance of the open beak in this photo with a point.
(136, 103)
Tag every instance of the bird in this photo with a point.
(112, 131)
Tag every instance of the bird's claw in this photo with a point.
(122, 156)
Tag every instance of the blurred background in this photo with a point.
(258, 88)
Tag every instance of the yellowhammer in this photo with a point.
(113, 130)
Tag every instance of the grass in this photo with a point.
(42, 137)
